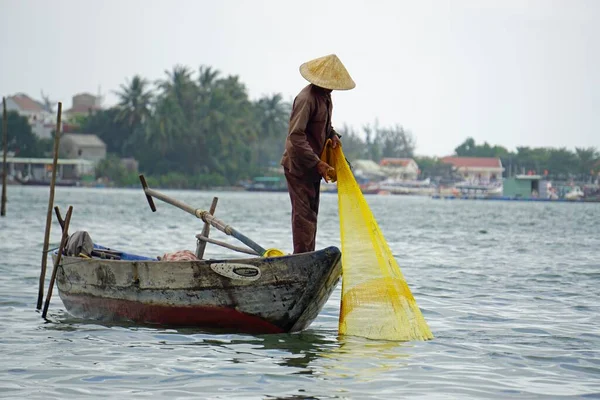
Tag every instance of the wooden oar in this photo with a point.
(63, 243)
(202, 214)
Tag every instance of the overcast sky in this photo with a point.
(507, 72)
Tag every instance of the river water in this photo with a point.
(510, 290)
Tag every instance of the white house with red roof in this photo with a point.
(476, 168)
(41, 120)
(400, 168)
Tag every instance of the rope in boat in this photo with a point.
(207, 217)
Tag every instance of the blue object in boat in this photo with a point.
(126, 256)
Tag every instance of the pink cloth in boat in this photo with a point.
(181, 255)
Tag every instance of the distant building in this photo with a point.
(400, 168)
(476, 168)
(367, 170)
(83, 146)
(41, 120)
(527, 186)
(83, 104)
(40, 169)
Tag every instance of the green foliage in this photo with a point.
(45, 147)
(105, 124)
(354, 146)
(209, 126)
(177, 180)
(394, 142)
(112, 169)
(21, 139)
(272, 115)
(468, 148)
(380, 142)
(588, 159)
(134, 109)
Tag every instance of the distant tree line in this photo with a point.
(557, 163)
(378, 143)
(195, 129)
(198, 130)
(583, 164)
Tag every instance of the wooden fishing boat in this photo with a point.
(270, 292)
(255, 295)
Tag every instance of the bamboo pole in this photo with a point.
(5, 150)
(63, 243)
(50, 204)
(206, 230)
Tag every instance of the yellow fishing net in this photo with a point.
(376, 300)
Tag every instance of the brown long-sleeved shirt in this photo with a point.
(310, 127)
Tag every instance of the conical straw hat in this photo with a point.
(327, 72)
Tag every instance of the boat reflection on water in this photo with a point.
(347, 360)
(300, 350)
(311, 353)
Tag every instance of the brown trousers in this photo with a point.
(304, 195)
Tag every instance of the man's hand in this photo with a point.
(324, 170)
(335, 141)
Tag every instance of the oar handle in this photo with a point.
(150, 201)
(248, 242)
(199, 213)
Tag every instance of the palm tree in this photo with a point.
(181, 88)
(586, 158)
(207, 77)
(166, 126)
(134, 102)
(272, 115)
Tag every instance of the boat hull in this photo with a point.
(214, 317)
(257, 295)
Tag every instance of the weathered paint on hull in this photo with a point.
(282, 294)
(90, 307)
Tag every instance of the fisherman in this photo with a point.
(310, 127)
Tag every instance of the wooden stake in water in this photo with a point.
(63, 243)
(50, 204)
(5, 149)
